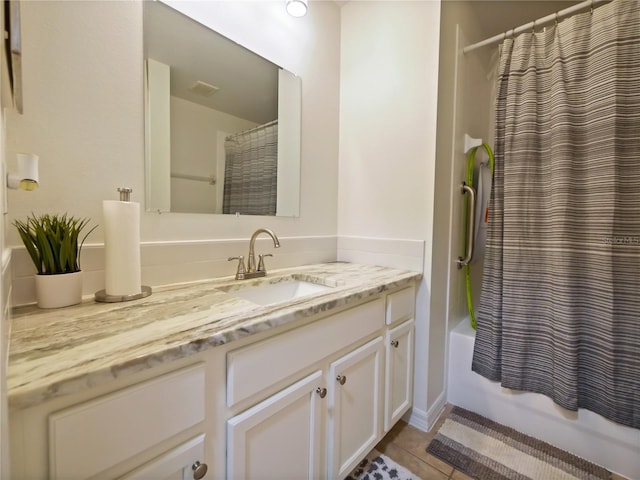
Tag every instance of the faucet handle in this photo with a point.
(261, 267)
(241, 270)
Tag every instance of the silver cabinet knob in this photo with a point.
(342, 379)
(395, 343)
(321, 391)
(199, 470)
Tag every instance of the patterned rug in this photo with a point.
(484, 449)
(377, 466)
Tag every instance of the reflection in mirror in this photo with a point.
(222, 123)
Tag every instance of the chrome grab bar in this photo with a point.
(470, 227)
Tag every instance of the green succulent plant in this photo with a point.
(52, 242)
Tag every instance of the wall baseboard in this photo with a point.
(426, 420)
(417, 418)
(436, 409)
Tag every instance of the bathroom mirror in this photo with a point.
(222, 124)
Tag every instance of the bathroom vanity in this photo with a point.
(196, 381)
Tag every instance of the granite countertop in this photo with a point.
(62, 351)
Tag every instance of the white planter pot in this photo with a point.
(55, 291)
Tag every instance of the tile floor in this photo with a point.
(407, 445)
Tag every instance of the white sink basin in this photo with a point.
(268, 293)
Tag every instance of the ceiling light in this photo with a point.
(297, 8)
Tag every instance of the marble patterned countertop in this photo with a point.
(57, 352)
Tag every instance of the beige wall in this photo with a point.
(462, 108)
(83, 111)
(387, 138)
(195, 132)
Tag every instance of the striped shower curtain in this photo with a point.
(559, 312)
(251, 171)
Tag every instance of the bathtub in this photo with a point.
(582, 433)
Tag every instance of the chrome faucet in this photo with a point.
(251, 271)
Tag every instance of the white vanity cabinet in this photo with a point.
(312, 402)
(399, 345)
(355, 400)
(308, 400)
(281, 436)
(398, 372)
(94, 436)
(283, 433)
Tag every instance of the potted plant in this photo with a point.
(53, 244)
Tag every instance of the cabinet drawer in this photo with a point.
(256, 367)
(401, 305)
(88, 438)
(176, 464)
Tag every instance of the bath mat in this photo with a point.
(484, 449)
(377, 466)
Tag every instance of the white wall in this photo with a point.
(388, 97)
(83, 114)
(84, 110)
(458, 112)
(194, 151)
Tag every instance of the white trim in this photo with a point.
(436, 409)
(426, 420)
(417, 418)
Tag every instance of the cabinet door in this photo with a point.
(93, 436)
(399, 373)
(355, 413)
(181, 463)
(279, 438)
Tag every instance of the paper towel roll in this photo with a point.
(122, 247)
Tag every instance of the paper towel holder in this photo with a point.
(125, 194)
(104, 297)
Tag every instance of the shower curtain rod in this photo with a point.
(536, 23)
(264, 125)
